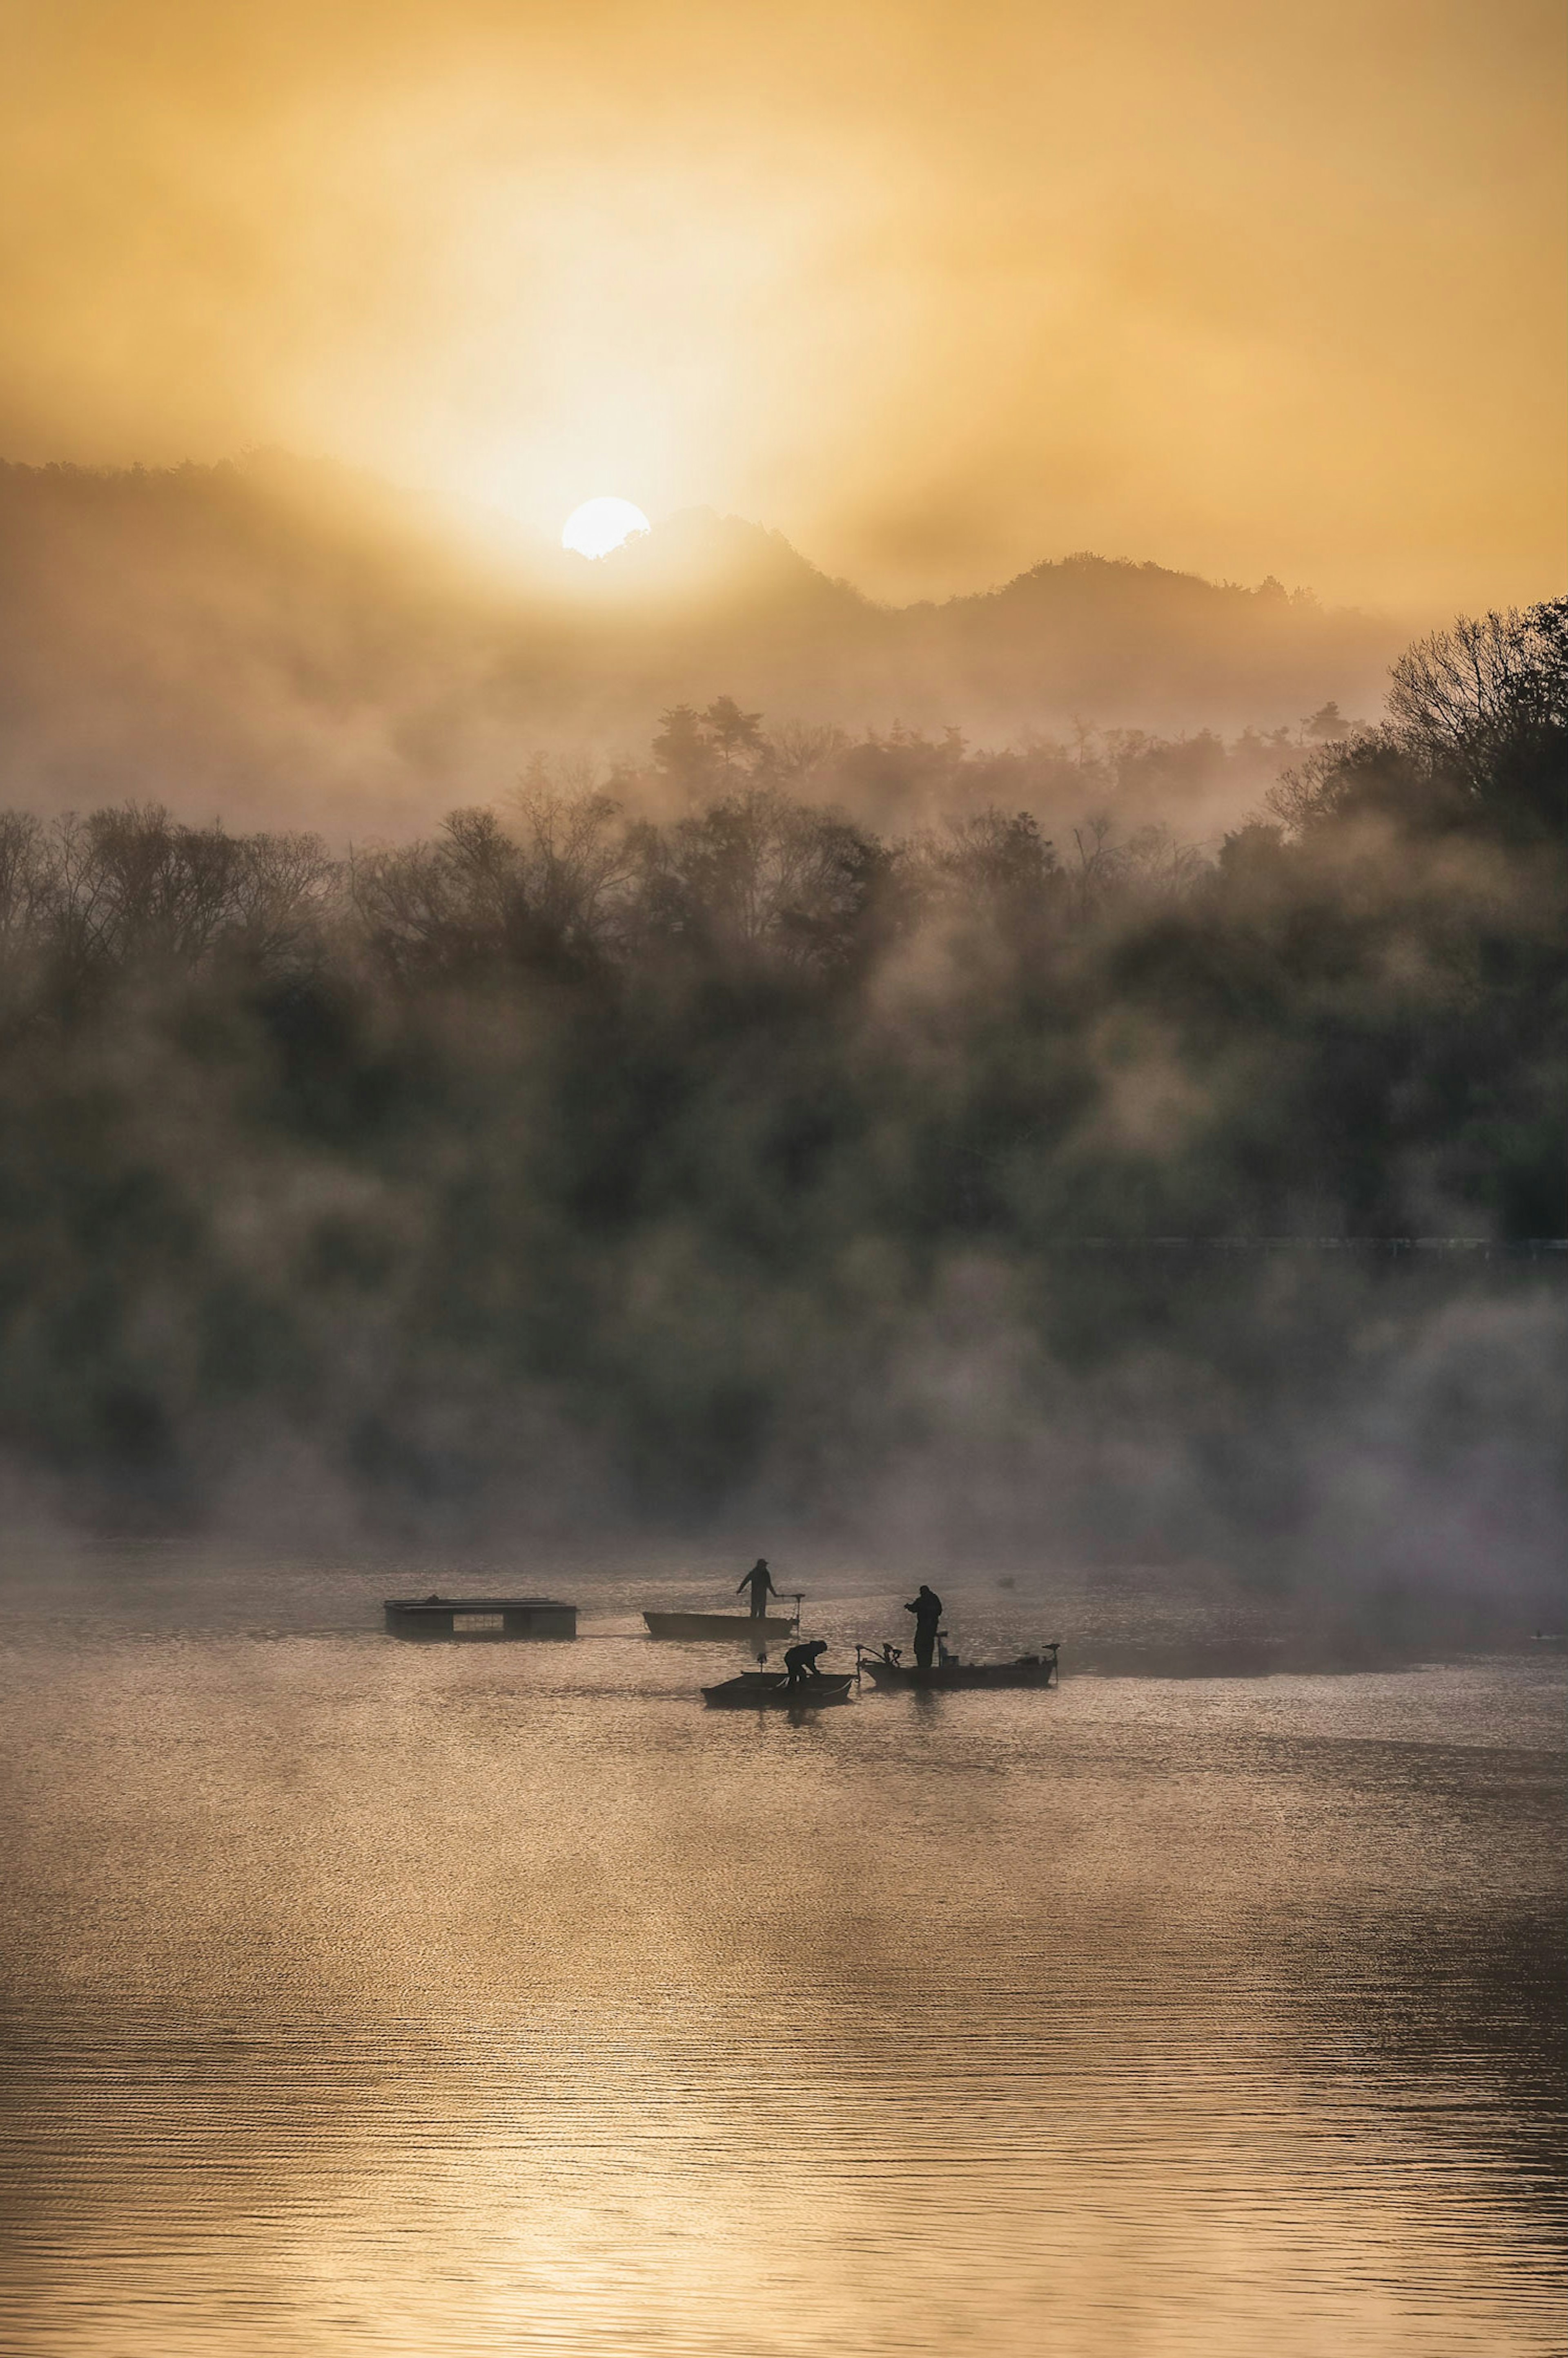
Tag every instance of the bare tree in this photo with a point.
(1462, 698)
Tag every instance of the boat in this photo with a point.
(769, 1689)
(716, 1626)
(478, 1617)
(951, 1676)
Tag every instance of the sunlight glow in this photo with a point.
(599, 525)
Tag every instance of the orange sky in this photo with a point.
(937, 286)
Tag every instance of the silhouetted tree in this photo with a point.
(735, 736)
(1327, 722)
(683, 750)
(1476, 738)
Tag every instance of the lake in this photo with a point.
(439, 2001)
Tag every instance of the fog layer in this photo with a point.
(282, 642)
(576, 1166)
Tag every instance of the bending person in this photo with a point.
(800, 1662)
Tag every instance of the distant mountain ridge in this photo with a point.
(288, 639)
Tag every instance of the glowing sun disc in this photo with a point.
(599, 525)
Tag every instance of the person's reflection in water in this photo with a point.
(927, 1610)
(760, 1580)
(800, 1662)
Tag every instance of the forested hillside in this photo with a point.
(569, 1163)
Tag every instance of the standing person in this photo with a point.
(927, 1610)
(760, 1580)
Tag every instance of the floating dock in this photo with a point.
(480, 1617)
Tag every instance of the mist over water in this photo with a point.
(647, 1161)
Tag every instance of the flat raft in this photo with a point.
(717, 1625)
(478, 1617)
(770, 1689)
(952, 1678)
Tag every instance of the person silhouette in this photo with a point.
(927, 1609)
(759, 1580)
(800, 1662)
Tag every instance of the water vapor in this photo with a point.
(730, 1163)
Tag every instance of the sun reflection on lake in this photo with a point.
(418, 2001)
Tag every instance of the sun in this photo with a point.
(599, 525)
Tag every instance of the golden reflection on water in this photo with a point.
(368, 1999)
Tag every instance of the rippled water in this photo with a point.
(365, 1997)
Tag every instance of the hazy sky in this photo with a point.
(937, 286)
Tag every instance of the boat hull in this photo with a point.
(770, 1690)
(959, 1678)
(713, 1626)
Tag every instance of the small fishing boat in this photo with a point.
(716, 1626)
(951, 1676)
(770, 1689)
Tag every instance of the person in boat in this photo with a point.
(760, 1580)
(927, 1609)
(801, 1662)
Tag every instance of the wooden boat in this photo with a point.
(770, 1689)
(952, 1676)
(715, 1625)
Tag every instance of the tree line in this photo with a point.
(660, 1139)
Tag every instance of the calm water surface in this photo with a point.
(368, 1998)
